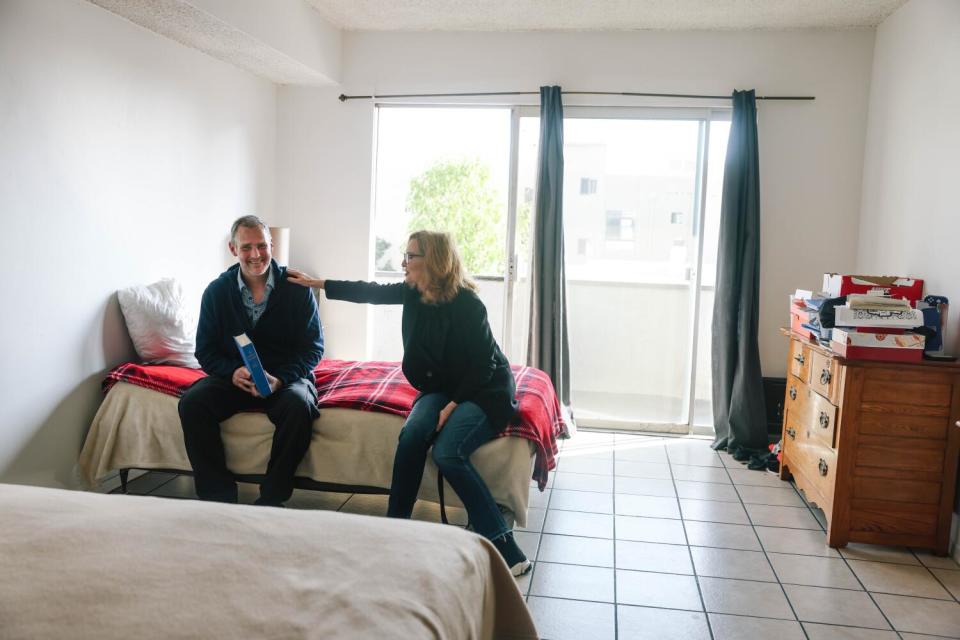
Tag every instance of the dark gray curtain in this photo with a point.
(547, 340)
(739, 414)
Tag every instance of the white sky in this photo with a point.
(411, 139)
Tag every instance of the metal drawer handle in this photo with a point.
(793, 392)
(799, 359)
(824, 419)
(792, 433)
(825, 376)
(823, 467)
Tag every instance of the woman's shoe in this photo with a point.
(514, 557)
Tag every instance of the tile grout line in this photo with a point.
(693, 566)
(613, 499)
(655, 495)
(766, 557)
(630, 515)
(159, 486)
(690, 575)
(847, 563)
(869, 595)
(546, 510)
(738, 615)
(935, 576)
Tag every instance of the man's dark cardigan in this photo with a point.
(288, 336)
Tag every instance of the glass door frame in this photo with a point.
(704, 115)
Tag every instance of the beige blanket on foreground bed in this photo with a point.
(139, 428)
(82, 565)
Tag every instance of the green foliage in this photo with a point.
(457, 196)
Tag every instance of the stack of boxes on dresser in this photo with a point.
(862, 317)
(869, 431)
(874, 323)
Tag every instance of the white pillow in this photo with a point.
(162, 326)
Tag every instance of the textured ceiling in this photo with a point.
(181, 21)
(600, 15)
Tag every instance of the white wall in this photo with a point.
(125, 157)
(909, 218)
(811, 152)
(910, 221)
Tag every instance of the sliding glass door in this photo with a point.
(641, 213)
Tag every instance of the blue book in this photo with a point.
(252, 361)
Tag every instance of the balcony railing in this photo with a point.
(629, 347)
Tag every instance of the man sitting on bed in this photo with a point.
(280, 318)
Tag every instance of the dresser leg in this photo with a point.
(836, 538)
(785, 474)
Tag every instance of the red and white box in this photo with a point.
(800, 314)
(836, 285)
(861, 345)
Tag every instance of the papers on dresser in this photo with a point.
(904, 318)
(879, 303)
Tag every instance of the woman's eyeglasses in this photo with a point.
(410, 256)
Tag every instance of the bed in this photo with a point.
(76, 564)
(362, 408)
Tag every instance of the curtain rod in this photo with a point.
(344, 97)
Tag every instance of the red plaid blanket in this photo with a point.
(381, 386)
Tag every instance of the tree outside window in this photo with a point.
(458, 196)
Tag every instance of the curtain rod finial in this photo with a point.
(343, 97)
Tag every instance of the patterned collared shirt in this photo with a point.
(254, 310)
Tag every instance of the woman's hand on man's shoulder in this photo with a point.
(299, 277)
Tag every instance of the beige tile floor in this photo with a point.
(657, 537)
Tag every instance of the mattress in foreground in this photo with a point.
(82, 565)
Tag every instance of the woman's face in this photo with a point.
(414, 270)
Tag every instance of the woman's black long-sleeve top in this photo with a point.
(447, 347)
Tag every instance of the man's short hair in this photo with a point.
(250, 222)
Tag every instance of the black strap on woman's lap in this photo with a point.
(443, 507)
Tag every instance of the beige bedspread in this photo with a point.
(83, 565)
(140, 428)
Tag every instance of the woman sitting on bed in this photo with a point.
(467, 391)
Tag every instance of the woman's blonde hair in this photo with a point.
(445, 271)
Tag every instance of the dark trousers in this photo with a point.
(210, 401)
(466, 429)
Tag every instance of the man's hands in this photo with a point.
(445, 414)
(241, 378)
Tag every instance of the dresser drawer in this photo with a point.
(823, 374)
(799, 360)
(796, 404)
(822, 418)
(813, 465)
(819, 464)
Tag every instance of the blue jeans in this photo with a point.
(466, 429)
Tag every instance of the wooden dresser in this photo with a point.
(873, 444)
